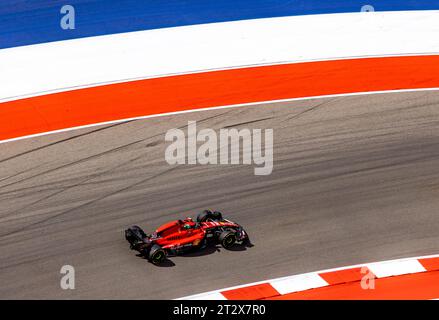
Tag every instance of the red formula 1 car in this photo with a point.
(180, 236)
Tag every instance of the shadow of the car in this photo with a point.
(217, 248)
(210, 249)
(201, 252)
(165, 264)
(238, 247)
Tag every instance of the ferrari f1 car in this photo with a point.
(179, 236)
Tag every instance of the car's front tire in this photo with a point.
(216, 215)
(207, 214)
(203, 216)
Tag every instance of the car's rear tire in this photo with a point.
(227, 239)
(156, 254)
(216, 215)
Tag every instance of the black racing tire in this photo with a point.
(216, 215)
(227, 239)
(203, 216)
(156, 254)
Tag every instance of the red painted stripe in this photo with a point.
(251, 293)
(418, 286)
(342, 276)
(430, 264)
(203, 90)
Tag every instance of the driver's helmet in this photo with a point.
(186, 226)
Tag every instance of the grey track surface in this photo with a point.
(355, 179)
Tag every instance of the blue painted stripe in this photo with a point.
(24, 22)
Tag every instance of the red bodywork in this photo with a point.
(173, 235)
(180, 236)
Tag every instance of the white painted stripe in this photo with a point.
(205, 296)
(298, 283)
(215, 108)
(57, 66)
(395, 268)
(315, 273)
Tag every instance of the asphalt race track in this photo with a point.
(355, 179)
